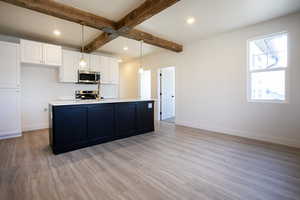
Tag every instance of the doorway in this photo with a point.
(167, 94)
(145, 84)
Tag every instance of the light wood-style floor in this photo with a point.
(169, 120)
(172, 163)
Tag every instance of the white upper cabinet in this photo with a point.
(107, 66)
(95, 63)
(114, 71)
(109, 70)
(9, 65)
(52, 54)
(31, 52)
(69, 71)
(105, 72)
(86, 58)
(40, 53)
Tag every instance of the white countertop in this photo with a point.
(79, 102)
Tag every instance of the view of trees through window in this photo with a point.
(267, 68)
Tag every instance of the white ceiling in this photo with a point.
(212, 16)
(29, 24)
(110, 9)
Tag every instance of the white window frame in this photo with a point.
(286, 69)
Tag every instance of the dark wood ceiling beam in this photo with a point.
(145, 11)
(101, 40)
(153, 40)
(65, 12)
(110, 28)
(125, 26)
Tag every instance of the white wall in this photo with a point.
(39, 86)
(211, 85)
(129, 81)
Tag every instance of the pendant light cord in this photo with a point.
(141, 54)
(82, 38)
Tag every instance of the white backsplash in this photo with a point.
(40, 86)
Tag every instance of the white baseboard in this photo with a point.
(2, 137)
(32, 127)
(261, 136)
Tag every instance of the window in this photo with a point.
(145, 84)
(267, 68)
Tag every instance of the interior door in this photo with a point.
(167, 93)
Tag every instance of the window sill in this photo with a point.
(269, 101)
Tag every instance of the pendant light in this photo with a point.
(82, 62)
(141, 70)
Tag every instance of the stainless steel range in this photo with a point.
(86, 95)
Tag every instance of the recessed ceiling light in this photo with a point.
(56, 32)
(125, 48)
(190, 20)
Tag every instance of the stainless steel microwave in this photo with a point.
(88, 77)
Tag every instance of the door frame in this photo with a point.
(159, 97)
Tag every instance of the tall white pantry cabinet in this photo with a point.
(10, 93)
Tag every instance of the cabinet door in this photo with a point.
(71, 124)
(9, 65)
(86, 58)
(114, 71)
(95, 63)
(10, 115)
(52, 55)
(69, 71)
(145, 116)
(126, 118)
(105, 73)
(31, 52)
(101, 121)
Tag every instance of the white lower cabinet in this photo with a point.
(10, 115)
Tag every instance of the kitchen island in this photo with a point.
(76, 124)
